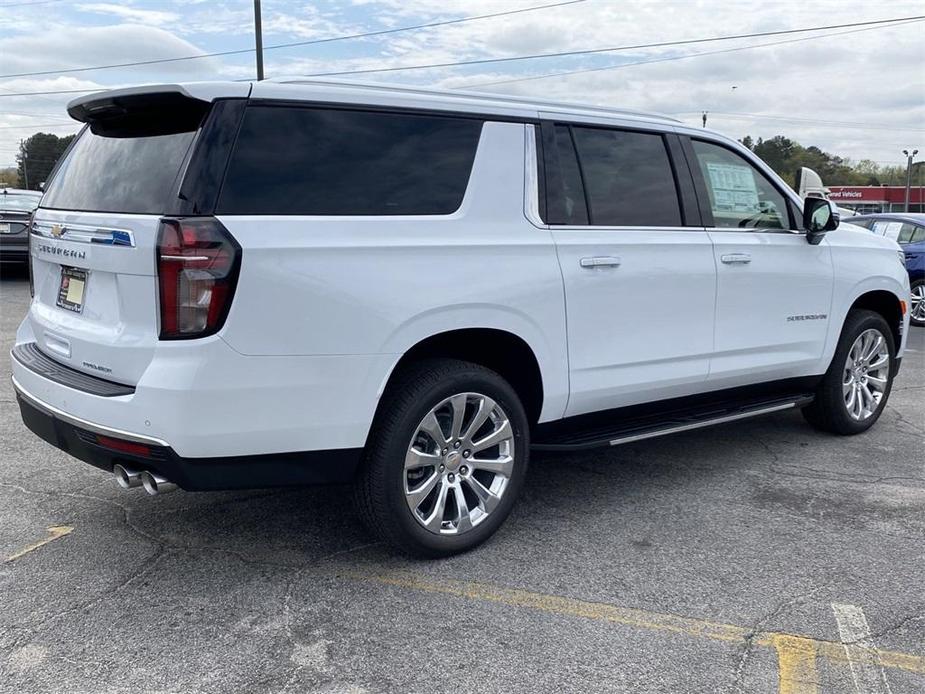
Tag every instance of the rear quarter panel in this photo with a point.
(314, 285)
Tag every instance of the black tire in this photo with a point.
(912, 319)
(829, 411)
(380, 485)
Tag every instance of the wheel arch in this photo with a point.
(888, 305)
(500, 350)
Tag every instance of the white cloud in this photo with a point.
(66, 47)
(132, 14)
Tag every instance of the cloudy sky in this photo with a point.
(858, 93)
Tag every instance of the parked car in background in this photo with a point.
(908, 230)
(16, 208)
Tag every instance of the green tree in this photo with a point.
(9, 178)
(37, 157)
(786, 156)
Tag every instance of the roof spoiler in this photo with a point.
(139, 111)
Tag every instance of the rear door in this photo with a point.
(774, 290)
(93, 239)
(637, 266)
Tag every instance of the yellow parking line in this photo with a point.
(796, 654)
(796, 662)
(55, 531)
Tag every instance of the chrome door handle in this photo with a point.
(600, 261)
(736, 258)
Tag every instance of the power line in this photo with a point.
(28, 4)
(32, 115)
(613, 49)
(72, 124)
(58, 91)
(808, 121)
(367, 34)
(677, 57)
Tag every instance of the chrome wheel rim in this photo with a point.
(918, 302)
(866, 374)
(459, 463)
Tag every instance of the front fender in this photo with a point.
(898, 286)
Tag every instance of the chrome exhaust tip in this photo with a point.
(155, 484)
(127, 478)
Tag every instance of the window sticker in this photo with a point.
(734, 188)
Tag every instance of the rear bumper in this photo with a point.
(86, 441)
(206, 400)
(14, 250)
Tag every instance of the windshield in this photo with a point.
(19, 203)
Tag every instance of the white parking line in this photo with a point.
(866, 669)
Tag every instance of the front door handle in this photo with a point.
(736, 258)
(600, 261)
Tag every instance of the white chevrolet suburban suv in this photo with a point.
(251, 285)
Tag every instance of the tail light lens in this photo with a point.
(197, 270)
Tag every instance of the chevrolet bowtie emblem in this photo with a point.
(57, 230)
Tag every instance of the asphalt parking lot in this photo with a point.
(758, 557)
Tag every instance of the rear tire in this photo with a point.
(856, 386)
(917, 310)
(429, 485)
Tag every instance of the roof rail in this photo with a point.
(529, 102)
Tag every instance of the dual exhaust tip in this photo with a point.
(154, 484)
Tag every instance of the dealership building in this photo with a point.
(865, 199)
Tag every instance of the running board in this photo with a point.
(651, 426)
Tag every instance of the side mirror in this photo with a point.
(819, 216)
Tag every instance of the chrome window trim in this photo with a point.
(531, 179)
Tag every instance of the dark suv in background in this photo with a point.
(908, 230)
(16, 208)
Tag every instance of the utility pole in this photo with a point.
(909, 158)
(258, 34)
(24, 154)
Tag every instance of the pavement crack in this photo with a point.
(888, 630)
(756, 629)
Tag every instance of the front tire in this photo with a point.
(445, 459)
(856, 386)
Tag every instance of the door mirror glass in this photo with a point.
(819, 216)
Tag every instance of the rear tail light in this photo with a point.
(197, 270)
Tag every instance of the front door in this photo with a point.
(774, 290)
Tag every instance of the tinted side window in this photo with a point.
(567, 204)
(918, 235)
(628, 178)
(298, 160)
(740, 195)
(860, 222)
(905, 233)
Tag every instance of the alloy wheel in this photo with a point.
(459, 463)
(866, 374)
(918, 302)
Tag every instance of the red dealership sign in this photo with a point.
(881, 194)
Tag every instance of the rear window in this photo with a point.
(311, 161)
(24, 203)
(119, 174)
